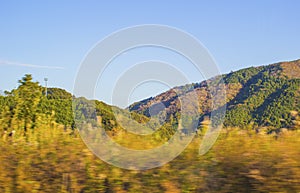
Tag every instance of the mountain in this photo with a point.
(260, 96)
(257, 97)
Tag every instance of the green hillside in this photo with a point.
(266, 96)
(260, 96)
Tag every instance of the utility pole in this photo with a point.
(46, 89)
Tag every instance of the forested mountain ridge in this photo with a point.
(261, 96)
(256, 96)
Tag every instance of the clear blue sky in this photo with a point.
(58, 34)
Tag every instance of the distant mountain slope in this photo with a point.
(256, 96)
(263, 96)
(57, 93)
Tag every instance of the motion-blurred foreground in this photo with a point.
(258, 149)
(54, 160)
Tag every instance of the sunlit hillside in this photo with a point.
(257, 150)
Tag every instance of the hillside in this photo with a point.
(263, 96)
(27, 107)
(41, 151)
(257, 97)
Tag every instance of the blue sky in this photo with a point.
(57, 35)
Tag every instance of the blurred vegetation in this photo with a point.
(258, 151)
(56, 160)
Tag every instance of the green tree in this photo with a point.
(27, 97)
